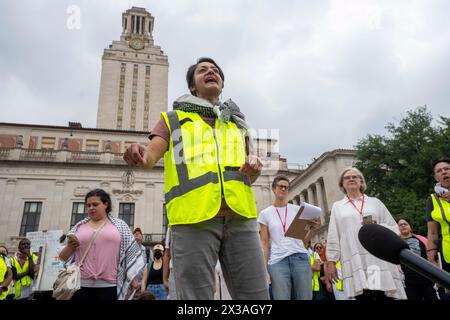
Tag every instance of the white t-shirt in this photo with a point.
(281, 246)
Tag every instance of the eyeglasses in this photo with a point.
(25, 244)
(282, 187)
(319, 248)
(444, 169)
(350, 177)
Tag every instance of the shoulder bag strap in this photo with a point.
(94, 235)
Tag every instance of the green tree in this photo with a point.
(397, 166)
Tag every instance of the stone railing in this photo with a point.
(45, 155)
(38, 154)
(4, 152)
(84, 156)
(117, 157)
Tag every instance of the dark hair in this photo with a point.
(24, 240)
(2, 246)
(191, 71)
(446, 160)
(144, 296)
(103, 195)
(279, 178)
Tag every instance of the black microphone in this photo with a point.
(386, 245)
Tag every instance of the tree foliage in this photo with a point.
(397, 166)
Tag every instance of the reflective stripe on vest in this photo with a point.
(3, 273)
(184, 184)
(439, 214)
(216, 181)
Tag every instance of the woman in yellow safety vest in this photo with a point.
(317, 267)
(208, 172)
(438, 217)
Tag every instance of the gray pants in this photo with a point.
(233, 240)
(172, 288)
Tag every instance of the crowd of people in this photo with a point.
(217, 245)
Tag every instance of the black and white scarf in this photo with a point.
(440, 190)
(223, 111)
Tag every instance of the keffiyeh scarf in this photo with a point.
(223, 111)
(440, 190)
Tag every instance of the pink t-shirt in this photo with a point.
(102, 260)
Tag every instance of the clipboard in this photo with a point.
(299, 227)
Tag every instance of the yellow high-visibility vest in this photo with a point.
(201, 168)
(441, 214)
(24, 281)
(3, 272)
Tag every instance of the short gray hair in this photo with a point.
(359, 173)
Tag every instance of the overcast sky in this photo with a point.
(324, 73)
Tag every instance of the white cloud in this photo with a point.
(325, 73)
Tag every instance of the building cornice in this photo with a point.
(317, 162)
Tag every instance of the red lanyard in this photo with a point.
(285, 216)
(353, 204)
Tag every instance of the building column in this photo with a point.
(128, 24)
(149, 199)
(52, 218)
(8, 218)
(302, 197)
(320, 201)
(310, 195)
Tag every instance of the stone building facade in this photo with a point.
(45, 172)
(318, 184)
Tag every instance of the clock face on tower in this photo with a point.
(136, 44)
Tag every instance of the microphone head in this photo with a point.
(381, 242)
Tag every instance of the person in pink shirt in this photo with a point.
(114, 259)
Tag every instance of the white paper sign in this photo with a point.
(46, 243)
(309, 211)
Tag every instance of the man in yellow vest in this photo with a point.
(5, 273)
(25, 263)
(438, 217)
(208, 172)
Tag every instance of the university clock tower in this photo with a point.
(133, 85)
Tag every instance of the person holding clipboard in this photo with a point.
(287, 258)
